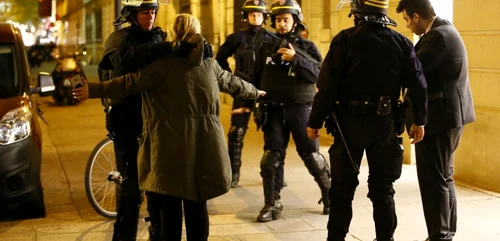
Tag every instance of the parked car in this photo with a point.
(20, 132)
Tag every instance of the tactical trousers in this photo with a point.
(129, 197)
(195, 214)
(373, 135)
(283, 120)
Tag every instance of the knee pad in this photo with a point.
(236, 134)
(270, 161)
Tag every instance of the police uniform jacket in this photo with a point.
(182, 151)
(369, 60)
(240, 45)
(444, 60)
(283, 81)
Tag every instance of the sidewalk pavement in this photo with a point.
(233, 215)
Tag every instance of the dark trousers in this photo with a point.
(375, 136)
(129, 197)
(435, 171)
(195, 213)
(240, 120)
(281, 122)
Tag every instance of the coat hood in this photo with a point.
(195, 57)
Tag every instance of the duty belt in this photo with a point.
(382, 107)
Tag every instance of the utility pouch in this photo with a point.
(260, 115)
(384, 106)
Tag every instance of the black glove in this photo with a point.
(208, 51)
(330, 126)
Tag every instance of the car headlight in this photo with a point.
(15, 126)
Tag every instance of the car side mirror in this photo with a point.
(45, 86)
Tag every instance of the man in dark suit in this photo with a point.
(444, 60)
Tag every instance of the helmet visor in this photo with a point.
(341, 4)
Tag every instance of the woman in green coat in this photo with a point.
(182, 155)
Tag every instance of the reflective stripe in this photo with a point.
(377, 4)
(259, 7)
(284, 7)
(124, 2)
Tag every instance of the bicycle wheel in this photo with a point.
(101, 189)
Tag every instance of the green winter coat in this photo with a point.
(182, 151)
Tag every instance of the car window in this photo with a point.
(9, 84)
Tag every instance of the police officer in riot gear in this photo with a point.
(240, 44)
(361, 80)
(288, 79)
(127, 50)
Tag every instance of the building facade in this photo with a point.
(89, 22)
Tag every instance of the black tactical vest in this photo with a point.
(245, 54)
(280, 82)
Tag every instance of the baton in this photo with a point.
(354, 165)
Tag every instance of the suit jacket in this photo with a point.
(443, 56)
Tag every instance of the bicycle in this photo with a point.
(102, 179)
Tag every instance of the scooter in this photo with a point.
(66, 68)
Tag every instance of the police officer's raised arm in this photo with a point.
(132, 56)
(304, 68)
(329, 77)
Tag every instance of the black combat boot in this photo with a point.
(235, 146)
(323, 181)
(269, 165)
(271, 212)
(320, 170)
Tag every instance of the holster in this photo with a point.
(260, 115)
(399, 117)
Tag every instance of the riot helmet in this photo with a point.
(369, 10)
(254, 6)
(370, 6)
(130, 6)
(287, 6)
